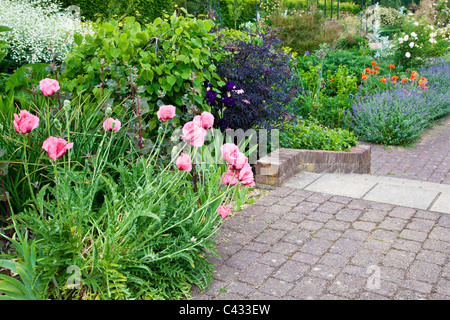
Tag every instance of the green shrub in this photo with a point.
(311, 135)
(159, 64)
(353, 60)
(143, 10)
(390, 17)
(340, 82)
(418, 42)
(327, 110)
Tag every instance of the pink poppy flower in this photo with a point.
(246, 176)
(230, 152)
(25, 122)
(48, 86)
(108, 124)
(223, 211)
(56, 147)
(207, 120)
(194, 134)
(184, 162)
(239, 162)
(230, 178)
(166, 112)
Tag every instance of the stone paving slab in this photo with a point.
(402, 192)
(300, 244)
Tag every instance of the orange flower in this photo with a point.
(368, 70)
(423, 80)
(373, 63)
(414, 76)
(364, 76)
(383, 79)
(423, 86)
(377, 68)
(391, 66)
(404, 80)
(376, 72)
(394, 79)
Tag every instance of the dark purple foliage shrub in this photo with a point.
(257, 89)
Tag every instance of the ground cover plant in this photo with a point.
(311, 135)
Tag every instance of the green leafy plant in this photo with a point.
(144, 10)
(418, 42)
(341, 82)
(4, 46)
(311, 135)
(166, 63)
(134, 225)
(29, 287)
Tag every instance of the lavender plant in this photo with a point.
(397, 116)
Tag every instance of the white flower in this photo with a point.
(411, 45)
(400, 40)
(416, 23)
(406, 38)
(36, 23)
(408, 55)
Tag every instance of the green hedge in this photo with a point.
(149, 10)
(343, 6)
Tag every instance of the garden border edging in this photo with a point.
(282, 164)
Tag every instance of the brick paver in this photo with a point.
(297, 244)
(330, 248)
(426, 160)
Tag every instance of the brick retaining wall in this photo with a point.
(280, 165)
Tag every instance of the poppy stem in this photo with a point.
(25, 167)
(57, 198)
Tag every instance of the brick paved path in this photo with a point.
(296, 244)
(429, 160)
